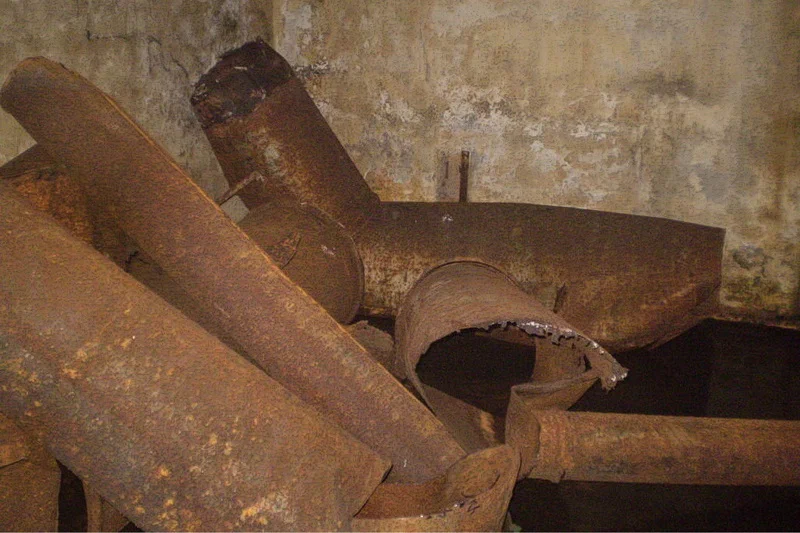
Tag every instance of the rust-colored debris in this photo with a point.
(625, 448)
(472, 496)
(279, 326)
(469, 295)
(174, 429)
(29, 481)
(264, 128)
(314, 251)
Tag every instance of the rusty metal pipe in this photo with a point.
(468, 295)
(259, 119)
(279, 326)
(625, 281)
(174, 429)
(623, 448)
(313, 251)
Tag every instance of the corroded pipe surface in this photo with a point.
(472, 496)
(174, 429)
(314, 251)
(279, 326)
(625, 281)
(264, 127)
(468, 295)
(658, 449)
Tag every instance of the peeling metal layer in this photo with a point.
(468, 295)
(472, 496)
(264, 127)
(171, 427)
(279, 326)
(29, 482)
(626, 281)
(314, 251)
(623, 448)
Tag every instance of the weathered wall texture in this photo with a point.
(682, 109)
(146, 53)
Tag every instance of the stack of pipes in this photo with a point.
(229, 392)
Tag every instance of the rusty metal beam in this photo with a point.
(623, 448)
(279, 326)
(171, 427)
(265, 128)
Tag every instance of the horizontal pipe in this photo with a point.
(625, 281)
(277, 324)
(627, 448)
(169, 425)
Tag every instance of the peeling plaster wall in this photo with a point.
(146, 53)
(680, 109)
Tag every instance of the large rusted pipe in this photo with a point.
(626, 281)
(265, 128)
(279, 326)
(623, 448)
(623, 280)
(173, 428)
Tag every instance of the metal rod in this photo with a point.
(463, 175)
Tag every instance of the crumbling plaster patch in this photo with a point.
(686, 110)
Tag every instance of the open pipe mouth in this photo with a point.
(467, 386)
(483, 371)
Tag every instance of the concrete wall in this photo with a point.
(683, 109)
(146, 53)
(680, 109)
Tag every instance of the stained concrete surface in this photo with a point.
(147, 54)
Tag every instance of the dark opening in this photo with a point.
(479, 369)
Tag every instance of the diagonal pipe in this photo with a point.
(279, 326)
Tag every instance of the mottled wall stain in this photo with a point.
(681, 109)
(146, 53)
